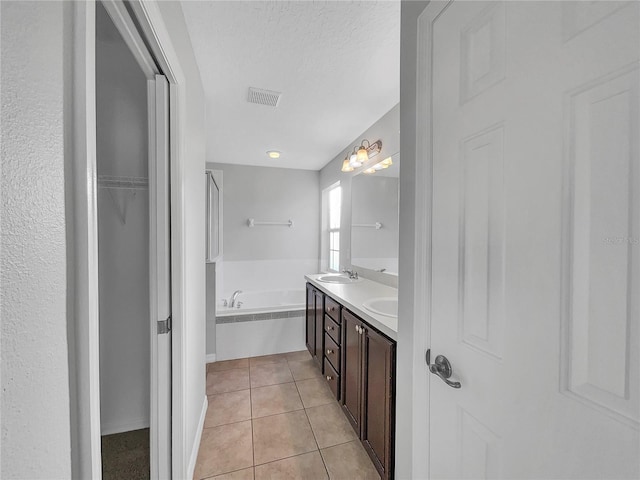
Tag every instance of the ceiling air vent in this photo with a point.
(263, 97)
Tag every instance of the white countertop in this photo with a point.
(353, 295)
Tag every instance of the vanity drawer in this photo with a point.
(332, 378)
(332, 328)
(332, 352)
(332, 308)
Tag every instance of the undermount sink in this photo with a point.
(338, 279)
(387, 306)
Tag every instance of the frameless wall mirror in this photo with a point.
(374, 218)
(214, 215)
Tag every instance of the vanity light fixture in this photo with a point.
(273, 154)
(386, 163)
(362, 154)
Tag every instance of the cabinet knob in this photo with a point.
(330, 327)
(329, 377)
(329, 351)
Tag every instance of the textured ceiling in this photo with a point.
(337, 65)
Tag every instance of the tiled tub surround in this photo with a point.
(254, 275)
(250, 317)
(275, 417)
(267, 322)
(261, 301)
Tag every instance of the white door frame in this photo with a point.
(84, 317)
(412, 400)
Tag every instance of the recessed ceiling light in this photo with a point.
(273, 154)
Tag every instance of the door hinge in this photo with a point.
(164, 326)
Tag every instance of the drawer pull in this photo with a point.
(329, 351)
(329, 377)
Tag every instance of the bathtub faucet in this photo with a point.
(234, 297)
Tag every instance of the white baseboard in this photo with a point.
(196, 441)
(210, 358)
(127, 426)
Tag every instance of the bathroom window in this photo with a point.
(335, 198)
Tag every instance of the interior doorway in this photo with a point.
(133, 204)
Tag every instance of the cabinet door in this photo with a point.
(310, 332)
(378, 355)
(319, 328)
(351, 368)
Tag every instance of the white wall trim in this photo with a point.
(128, 426)
(196, 444)
(210, 358)
(155, 31)
(86, 461)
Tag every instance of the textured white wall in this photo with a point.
(35, 384)
(123, 234)
(194, 223)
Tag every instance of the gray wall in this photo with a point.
(386, 129)
(269, 194)
(35, 374)
(123, 233)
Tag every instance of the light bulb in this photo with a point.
(346, 166)
(363, 156)
(370, 170)
(354, 161)
(273, 154)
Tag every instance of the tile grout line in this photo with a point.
(253, 449)
(314, 436)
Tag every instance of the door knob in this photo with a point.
(442, 367)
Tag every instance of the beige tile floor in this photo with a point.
(274, 417)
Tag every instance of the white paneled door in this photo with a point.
(529, 115)
(160, 278)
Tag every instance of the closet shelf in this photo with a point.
(128, 183)
(251, 222)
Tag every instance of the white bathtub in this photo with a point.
(263, 302)
(267, 322)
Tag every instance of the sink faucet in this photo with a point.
(353, 275)
(234, 297)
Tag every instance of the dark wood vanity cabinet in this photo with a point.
(378, 399)
(352, 369)
(368, 389)
(358, 363)
(310, 330)
(315, 327)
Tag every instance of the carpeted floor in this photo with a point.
(125, 456)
